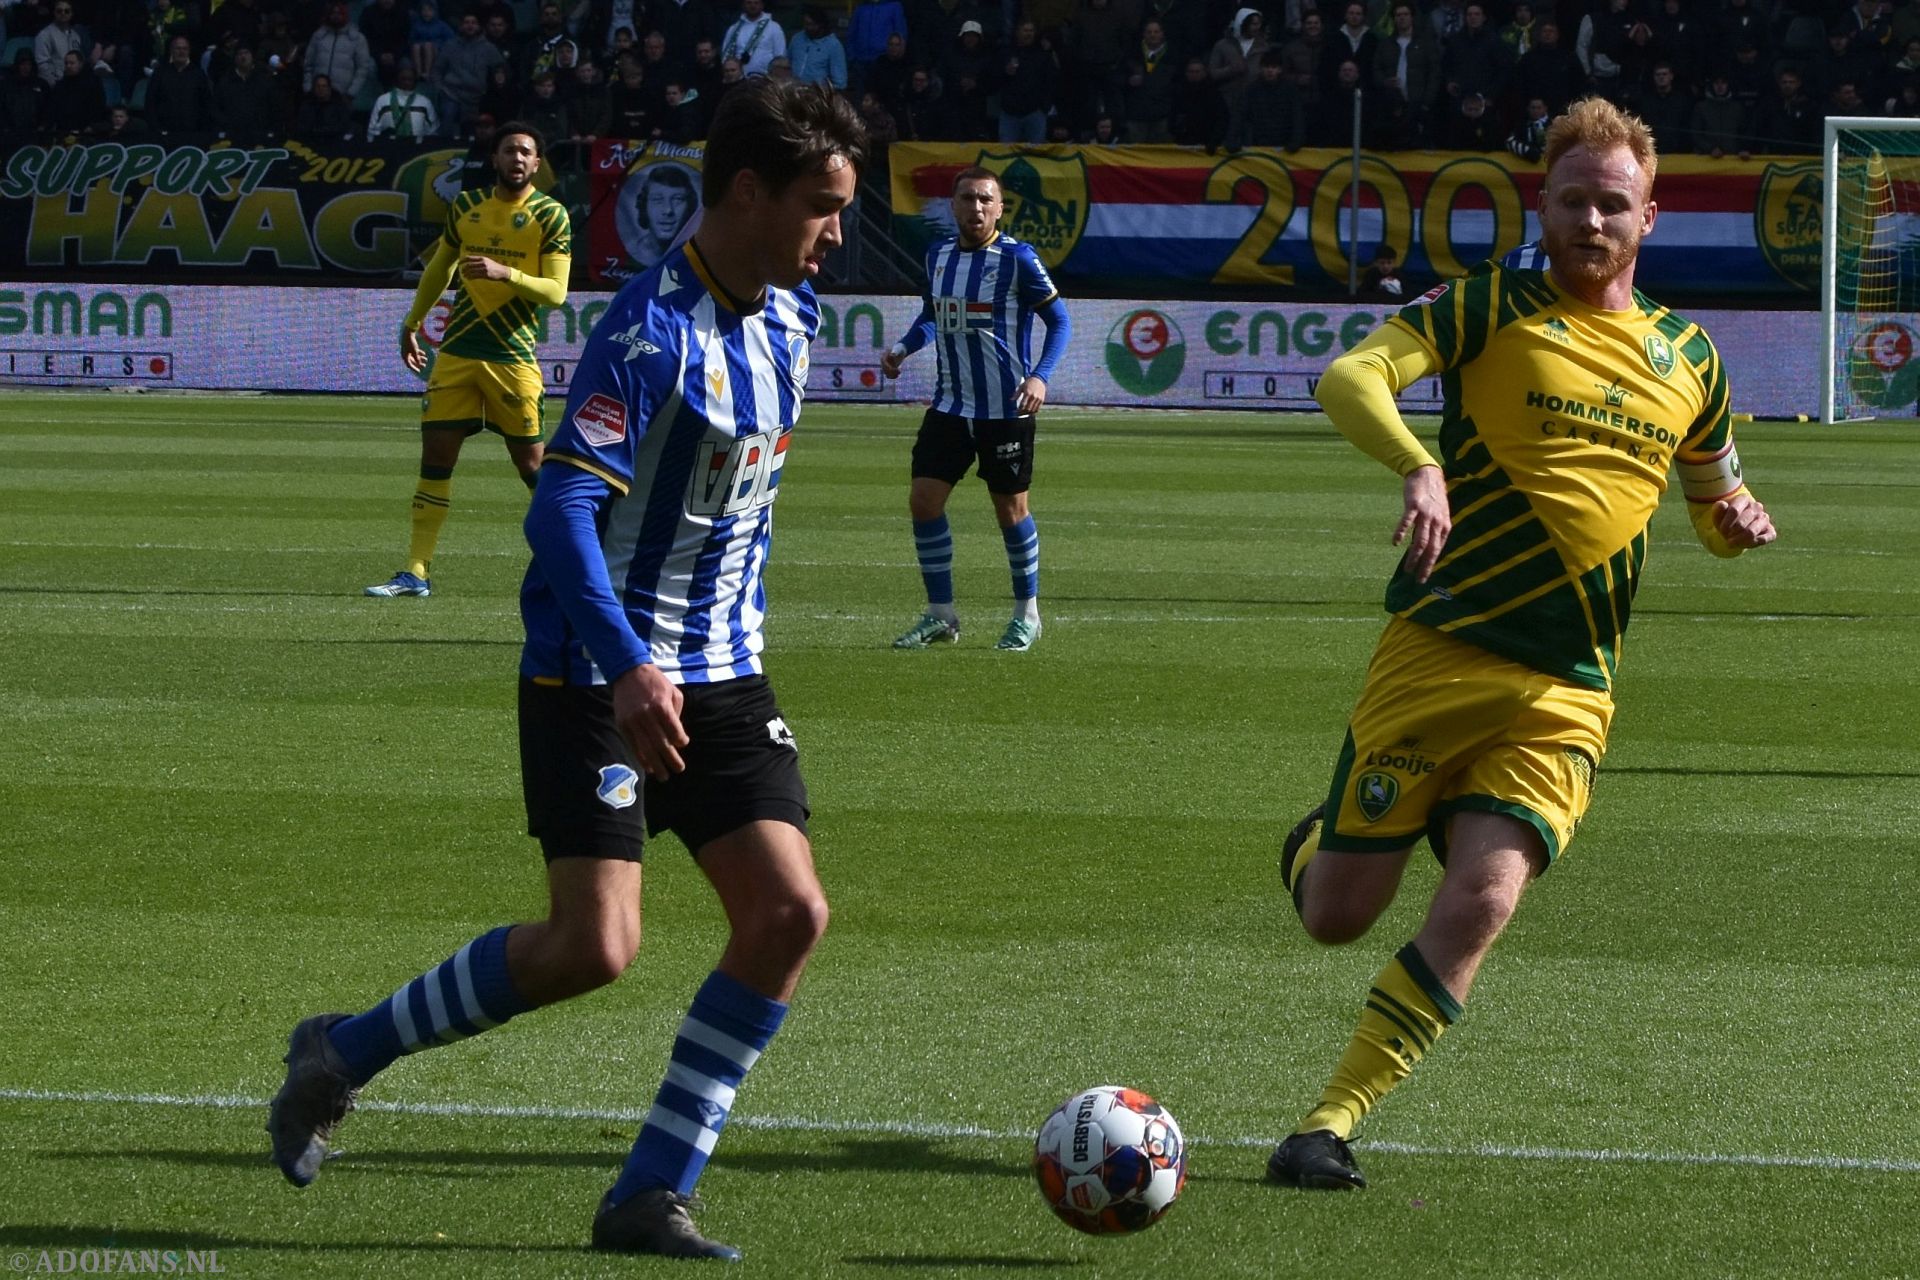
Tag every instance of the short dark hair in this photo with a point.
(975, 173)
(511, 127)
(779, 130)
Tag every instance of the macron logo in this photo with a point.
(602, 420)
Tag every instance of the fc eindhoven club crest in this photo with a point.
(1046, 198)
(1660, 354)
(1786, 221)
(1375, 794)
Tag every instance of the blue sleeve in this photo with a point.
(563, 528)
(1059, 330)
(921, 333)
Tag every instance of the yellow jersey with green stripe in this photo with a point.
(490, 321)
(1560, 425)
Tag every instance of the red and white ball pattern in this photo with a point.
(1110, 1161)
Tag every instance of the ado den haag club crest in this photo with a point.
(1786, 221)
(1046, 199)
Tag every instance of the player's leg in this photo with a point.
(516, 404)
(741, 806)
(580, 790)
(1006, 466)
(942, 453)
(451, 410)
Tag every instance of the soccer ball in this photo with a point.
(1110, 1161)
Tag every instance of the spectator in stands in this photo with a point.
(882, 128)
(1332, 124)
(624, 46)
(1845, 61)
(179, 99)
(870, 29)
(1846, 100)
(1684, 40)
(55, 41)
(682, 119)
(1471, 127)
(1667, 111)
(589, 103)
(966, 80)
(1740, 23)
(1406, 75)
(339, 52)
(1521, 30)
(684, 23)
(238, 18)
(1190, 26)
(502, 97)
(217, 60)
(1529, 141)
(497, 27)
(1302, 66)
(538, 48)
(1352, 41)
(754, 38)
(1446, 18)
(660, 65)
(1548, 70)
(1153, 77)
(461, 72)
(77, 105)
(246, 102)
(818, 56)
(923, 116)
(1475, 62)
(732, 76)
(545, 109)
(780, 69)
(323, 113)
(123, 126)
(1096, 48)
(1029, 74)
(385, 25)
(1905, 104)
(1381, 282)
(630, 106)
(1719, 120)
(1199, 115)
(403, 112)
(1274, 115)
(1106, 132)
(426, 34)
(888, 77)
(122, 33)
(1868, 25)
(476, 169)
(1232, 64)
(22, 99)
(1786, 120)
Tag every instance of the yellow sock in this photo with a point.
(1406, 1011)
(430, 500)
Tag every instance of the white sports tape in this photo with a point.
(1712, 480)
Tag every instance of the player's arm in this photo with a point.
(434, 279)
(1726, 517)
(1033, 390)
(918, 335)
(548, 288)
(1357, 391)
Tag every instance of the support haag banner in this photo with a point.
(1175, 217)
(219, 210)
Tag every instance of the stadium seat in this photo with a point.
(110, 87)
(138, 102)
(14, 45)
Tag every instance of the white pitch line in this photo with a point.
(923, 1129)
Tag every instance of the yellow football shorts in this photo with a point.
(468, 395)
(1444, 726)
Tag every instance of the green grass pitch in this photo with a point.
(235, 793)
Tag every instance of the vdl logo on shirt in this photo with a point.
(732, 477)
(958, 315)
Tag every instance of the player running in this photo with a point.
(507, 251)
(1569, 397)
(643, 608)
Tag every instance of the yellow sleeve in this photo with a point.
(434, 279)
(1357, 392)
(549, 287)
(1701, 513)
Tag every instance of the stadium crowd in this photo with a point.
(1715, 77)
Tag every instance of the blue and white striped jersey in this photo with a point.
(1531, 256)
(980, 305)
(682, 404)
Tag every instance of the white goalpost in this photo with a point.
(1870, 268)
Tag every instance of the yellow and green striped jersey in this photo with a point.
(1560, 425)
(491, 321)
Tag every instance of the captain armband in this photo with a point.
(1716, 478)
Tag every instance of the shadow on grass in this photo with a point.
(77, 1236)
(8, 589)
(959, 1261)
(872, 1155)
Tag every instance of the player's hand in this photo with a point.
(1033, 394)
(646, 707)
(475, 266)
(1744, 522)
(890, 362)
(1427, 521)
(411, 351)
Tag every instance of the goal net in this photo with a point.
(1870, 269)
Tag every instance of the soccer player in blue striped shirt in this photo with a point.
(983, 290)
(643, 605)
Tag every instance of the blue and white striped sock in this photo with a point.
(469, 993)
(933, 543)
(725, 1031)
(1023, 558)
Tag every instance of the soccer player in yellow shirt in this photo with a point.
(509, 249)
(1568, 398)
